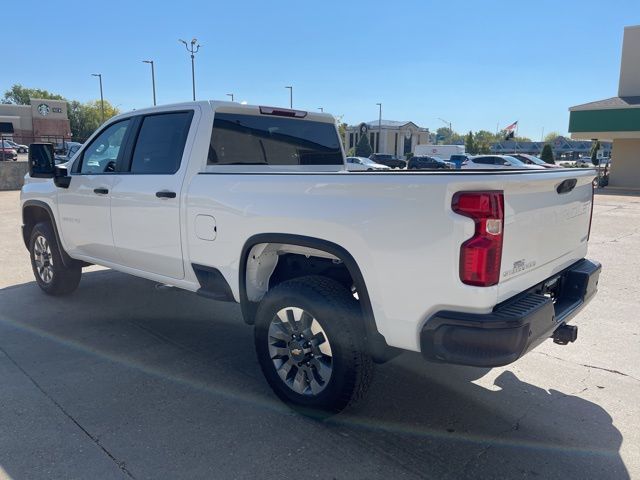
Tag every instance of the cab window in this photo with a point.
(101, 156)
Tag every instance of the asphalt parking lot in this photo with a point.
(123, 379)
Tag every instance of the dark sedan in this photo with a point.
(427, 163)
(389, 160)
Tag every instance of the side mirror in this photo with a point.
(41, 160)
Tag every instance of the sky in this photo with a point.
(476, 64)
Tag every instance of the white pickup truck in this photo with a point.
(335, 269)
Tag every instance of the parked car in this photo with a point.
(251, 204)
(428, 163)
(71, 151)
(458, 159)
(61, 148)
(497, 162)
(18, 147)
(389, 160)
(533, 160)
(360, 164)
(7, 152)
(584, 162)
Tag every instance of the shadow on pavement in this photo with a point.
(166, 384)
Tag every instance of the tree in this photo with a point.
(594, 152)
(547, 154)
(85, 118)
(483, 139)
(469, 144)
(363, 149)
(522, 139)
(551, 136)
(19, 95)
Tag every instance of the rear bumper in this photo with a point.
(514, 327)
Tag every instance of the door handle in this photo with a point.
(101, 191)
(165, 194)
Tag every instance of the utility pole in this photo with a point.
(379, 127)
(290, 96)
(99, 75)
(230, 95)
(192, 47)
(448, 124)
(153, 79)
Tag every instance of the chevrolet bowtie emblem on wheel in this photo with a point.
(296, 351)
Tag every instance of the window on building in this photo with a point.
(160, 143)
(267, 140)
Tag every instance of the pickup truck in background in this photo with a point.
(335, 269)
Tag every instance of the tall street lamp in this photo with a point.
(153, 79)
(321, 109)
(290, 96)
(379, 127)
(230, 95)
(99, 75)
(447, 123)
(192, 47)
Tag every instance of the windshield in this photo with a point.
(536, 160)
(514, 161)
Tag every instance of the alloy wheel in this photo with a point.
(300, 351)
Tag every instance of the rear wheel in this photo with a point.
(52, 275)
(310, 343)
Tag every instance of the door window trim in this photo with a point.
(127, 159)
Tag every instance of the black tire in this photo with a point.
(51, 274)
(338, 314)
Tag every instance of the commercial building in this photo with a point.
(43, 120)
(388, 136)
(617, 118)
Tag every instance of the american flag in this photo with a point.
(511, 127)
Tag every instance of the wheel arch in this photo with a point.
(377, 344)
(34, 212)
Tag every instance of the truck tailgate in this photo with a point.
(546, 227)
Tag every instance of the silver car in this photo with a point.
(497, 162)
(362, 164)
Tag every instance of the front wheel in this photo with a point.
(309, 339)
(52, 275)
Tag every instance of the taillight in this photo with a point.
(481, 255)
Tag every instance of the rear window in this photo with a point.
(267, 140)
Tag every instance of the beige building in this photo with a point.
(43, 120)
(617, 118)
(387, 136)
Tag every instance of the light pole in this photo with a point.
(290, 96)
(321, 109)
(99, 75)
(153, 79)
(192, 47)
(448, 124)
(379, 127)
(230, 95)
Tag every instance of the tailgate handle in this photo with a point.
(566, 186)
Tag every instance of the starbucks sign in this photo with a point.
(43, 109)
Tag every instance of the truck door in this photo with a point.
(84, 207)
(145, 200)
